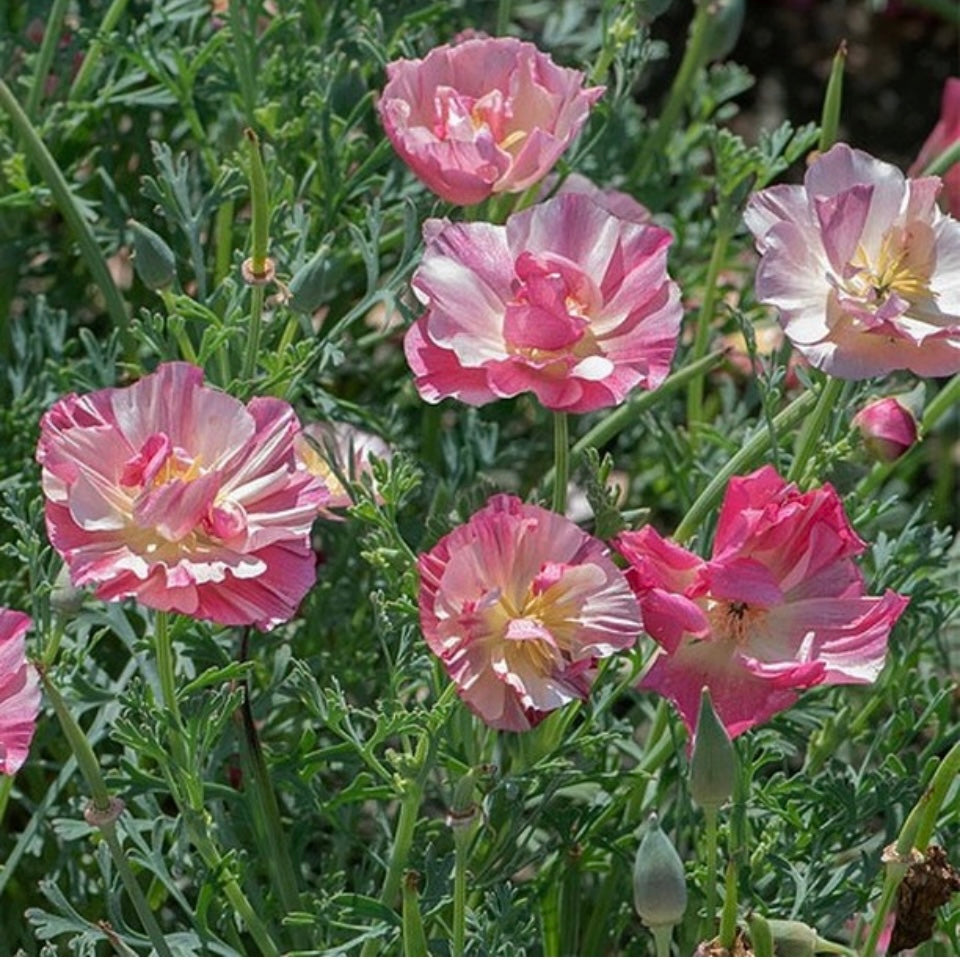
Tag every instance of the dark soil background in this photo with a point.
(898, 59)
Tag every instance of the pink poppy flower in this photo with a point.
(888, 428)
(863, 267)
(483, 116)
(19, 692)
(778, 608)
(519, 604)
(944, 134)
(350, 449)
(565, 300)
(179, 495)
(620, 204)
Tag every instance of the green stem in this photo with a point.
(628, 413)
(166, 664)
(561, 461)
(725, 227)
(414, 937)
(41, 69)
(915, 834)
(943, 161)
(462, 846)
(6, 786)
(661, 937)
(786, 420)
(253, 336)
(259, 205)
(105, 811)
(833, 949)
(679, 91)
(223, 231)
(813, 427)
(92, 57)
(710, 817)
(52, 175)
(728, 916)
(503, 16)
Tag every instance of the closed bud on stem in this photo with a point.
(791, 938)
(888, 427)
(713, 765)
(308, 286)
(659, 883)
(726, 22)
(153, 259)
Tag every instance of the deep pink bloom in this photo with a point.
(566, 300)
(778, 608)
(888, 427)
(349, 448)
(484, 116)
(862, 266)
(19, 692)
(179, 495)
(944, 134)
(519, 604)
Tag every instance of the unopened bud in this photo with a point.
(308, 286)
(791, 938)
(723, 28)
(659, 883)
(65, 598)
(713, 765)
(888, 427)
(153, 259)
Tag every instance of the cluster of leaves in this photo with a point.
(338, 700)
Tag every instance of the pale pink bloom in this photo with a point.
(778, 608)
(564, 300)
(348, 447)
(862, 266)
(483, 116)
(888, 427)
(179, 495)
(19, 692)
(944, 134)
(519, 604)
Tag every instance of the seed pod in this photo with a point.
(659, 883)
(713, 765)
(153, 259)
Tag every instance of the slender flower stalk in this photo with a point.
(814, 425)
(103, 812)
(41, 67)
(830, 115)
(561, 461)
(92, 57)
(258, 270)
(42, 159)
(414, 937)
(941, 163)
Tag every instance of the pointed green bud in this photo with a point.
(713, 765)
(726, 22)
(791, 938)
(308, 287)
(153, 259)
(659, 883)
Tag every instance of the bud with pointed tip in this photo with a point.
(308, 286)
(153, 259)
(659, 883)
(713, 765)
(791, 938)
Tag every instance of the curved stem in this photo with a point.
(813, 427)
(725, 227)
(788, 418)
(42, 159)
(561, 461)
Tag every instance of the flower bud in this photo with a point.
(659, 884)
(308, 286)
(791, 938)
(888, 428)
(713, 765)
(153, 260)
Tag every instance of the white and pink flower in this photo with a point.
(519, 604)
(483, 116)
(862, 266)
(779, 607)
(565, 300)
(19, 692)
(179, 495)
